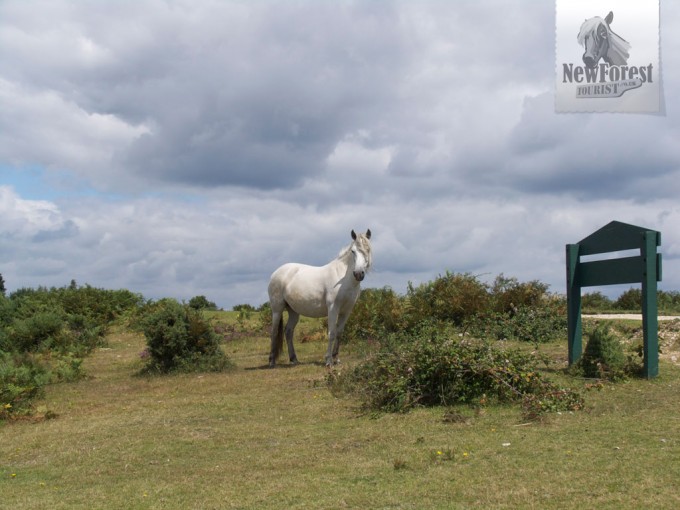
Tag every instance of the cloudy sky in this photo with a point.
(182, 147)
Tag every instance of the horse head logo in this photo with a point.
(600, 42)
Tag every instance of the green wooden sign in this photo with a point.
(644, 268)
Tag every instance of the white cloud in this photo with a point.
(25, 218)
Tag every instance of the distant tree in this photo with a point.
(596, 301)
(201, 303)
(2, 285)
(243, 308)
(629, 300)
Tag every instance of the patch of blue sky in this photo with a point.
(36, 183)
(28, 182)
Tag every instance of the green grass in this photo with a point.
(259, 438)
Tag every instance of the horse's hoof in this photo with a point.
(294, 361)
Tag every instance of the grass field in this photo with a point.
(260, 438)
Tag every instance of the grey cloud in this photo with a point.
(65, 231)
(241, 135)
(591, 156)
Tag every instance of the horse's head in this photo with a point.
(594, 37)
(600, 42)
(361, 252)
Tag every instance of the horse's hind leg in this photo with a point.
(276, 336)
(293, 318)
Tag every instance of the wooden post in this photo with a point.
(574, 327)
(650, 309)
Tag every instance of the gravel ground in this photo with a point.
(633, 316)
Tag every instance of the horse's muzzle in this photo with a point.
(359, 275)
(589, 61)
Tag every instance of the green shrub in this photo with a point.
(603, 356)
(669, 302)
(201, 303)
(6, 311)
(23, 377)
(596, 302)
(265, 318)
(431, 368)
(180, 339)
(507, 309)
(629, 300)
(508, 294)
(45, 333)
(452, 298)
(539, 324)
(42, 330)
(21, 380)
(377, 313)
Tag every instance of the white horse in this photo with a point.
(326, 291)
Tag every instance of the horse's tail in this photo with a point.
(277, 340)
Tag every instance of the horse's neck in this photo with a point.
(343, 265)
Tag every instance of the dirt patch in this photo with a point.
(669, 340)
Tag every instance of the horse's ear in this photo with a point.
(368, 233)
(354, 235)
(609, 18)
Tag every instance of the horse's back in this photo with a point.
(301, 287)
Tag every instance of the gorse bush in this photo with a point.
(377, 312)
(451, 298)
(507, 309)
(508, 294)
(604, 357)
(65, 320)
(180, 339)
(433, 367)
(45, 333)
(41, 331)
(23, 377)
(538, 324)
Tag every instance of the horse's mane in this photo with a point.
(618, 46)
(589, 26)
(363, 244)
(618, 49)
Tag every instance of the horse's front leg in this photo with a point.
(333, 339)
(339, 330)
